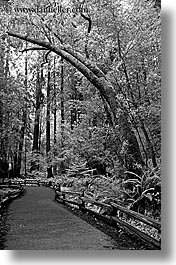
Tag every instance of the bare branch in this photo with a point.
(55, 35)
(49, 29)
(89, 20)
(33, 49)
(46, 34)
(46, 58)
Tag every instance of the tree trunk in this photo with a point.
(73, 97)
(36, 134)
(55, 117)
(62, 166)
(62, 95)
(24, 121)
(4, 72)
(15, 163)
(94, 75)
(2, 55)
(48, 147)
(41, 103)
(86, 67)
(21, 143)
(37, 114)
(55, 102)
(150, 145)
(133, 151)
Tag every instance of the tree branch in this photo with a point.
(33, 49)
(88, 69)
(88, 31)
(55, 35)
(46, 34)
(46, 58)
(50, 30)
(48, 46)
(89, 20)
(85, 61)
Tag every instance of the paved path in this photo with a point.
(36, 221)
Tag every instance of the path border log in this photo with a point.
(113, 217)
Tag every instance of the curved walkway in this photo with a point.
(36, 222)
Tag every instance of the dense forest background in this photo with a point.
(80, 89)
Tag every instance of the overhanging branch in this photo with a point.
(88, 69)
(34, 49)
(65, 49)
(66, 53)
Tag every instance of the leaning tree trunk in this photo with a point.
(85, 66)
(91, 71)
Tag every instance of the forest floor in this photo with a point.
(35, 221)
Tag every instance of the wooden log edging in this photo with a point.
(145, 219)
(113, 217)
(137, 232)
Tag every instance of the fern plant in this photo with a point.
(143, 193)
